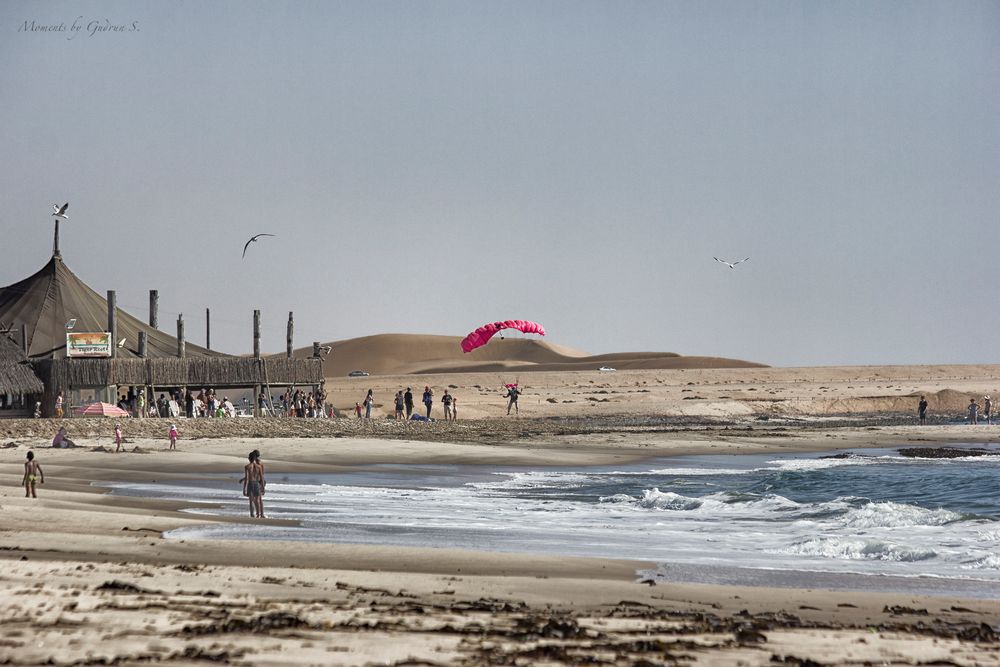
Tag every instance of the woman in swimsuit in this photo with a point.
(32, 472)
(253, 484)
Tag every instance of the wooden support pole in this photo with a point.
(288, 338)
(315, 349)
(113, 321)
(256, 334)
(180, 336)
(208, 329)
(142, 344)
(24, 339)
(55, 241)
(154, 308)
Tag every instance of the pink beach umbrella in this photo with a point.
(101, 410)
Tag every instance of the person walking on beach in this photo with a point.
(408, 402)
(446, 402)
(59, 405)
(119, 439)
(428, 399)
(369, 399)
(973, 411)
(253, 484)
(922, 410)
(454, 408)
(32, 473)
(512, 393)
(988, 409)
(173, 436)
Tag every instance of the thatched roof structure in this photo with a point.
(193, 372)
(46, 300)
(16, 376)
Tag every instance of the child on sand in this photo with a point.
(173, 436)
(32, 472)
(118, 437)
(357, 409)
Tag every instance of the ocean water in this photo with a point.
(872, 520)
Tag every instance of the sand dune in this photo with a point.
(406, 354)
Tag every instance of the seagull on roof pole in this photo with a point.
(252, 239)
(60, 211)
(731, 265)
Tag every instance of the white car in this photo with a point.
(357, 374)
(607, 368)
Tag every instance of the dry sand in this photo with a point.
(89, 579)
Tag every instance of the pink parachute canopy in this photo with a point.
(482, 335)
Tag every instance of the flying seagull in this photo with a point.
(121, 343)
(252, 239)
(325, 349)
(60, 211)
(731, 265)
(71, 324)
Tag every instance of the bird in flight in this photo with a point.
(252, 239)
(70, 324)
(60, 211)
(731, 265)
(121, 343)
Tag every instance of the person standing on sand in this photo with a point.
(32, 472)
(173, 436)
(454, 408)
(253, 484)
(987, 409)
(512, 393)
(118, 437)
(922, 410)
(357, 409)
(973, 411)
(399, 403)
(369, 399)
(59, 405)
(408, 402)
(428, 399)
(446, 402)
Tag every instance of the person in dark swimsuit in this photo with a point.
(253, 484)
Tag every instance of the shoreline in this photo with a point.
(99, 552)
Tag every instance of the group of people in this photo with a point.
(987, 410)
(974, 410)
(403, 405)
(299, 404)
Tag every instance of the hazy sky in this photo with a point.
(431, 166)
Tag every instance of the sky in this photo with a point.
(430, 166)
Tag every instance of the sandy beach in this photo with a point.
(89, 577)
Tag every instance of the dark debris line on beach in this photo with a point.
(473, 430)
